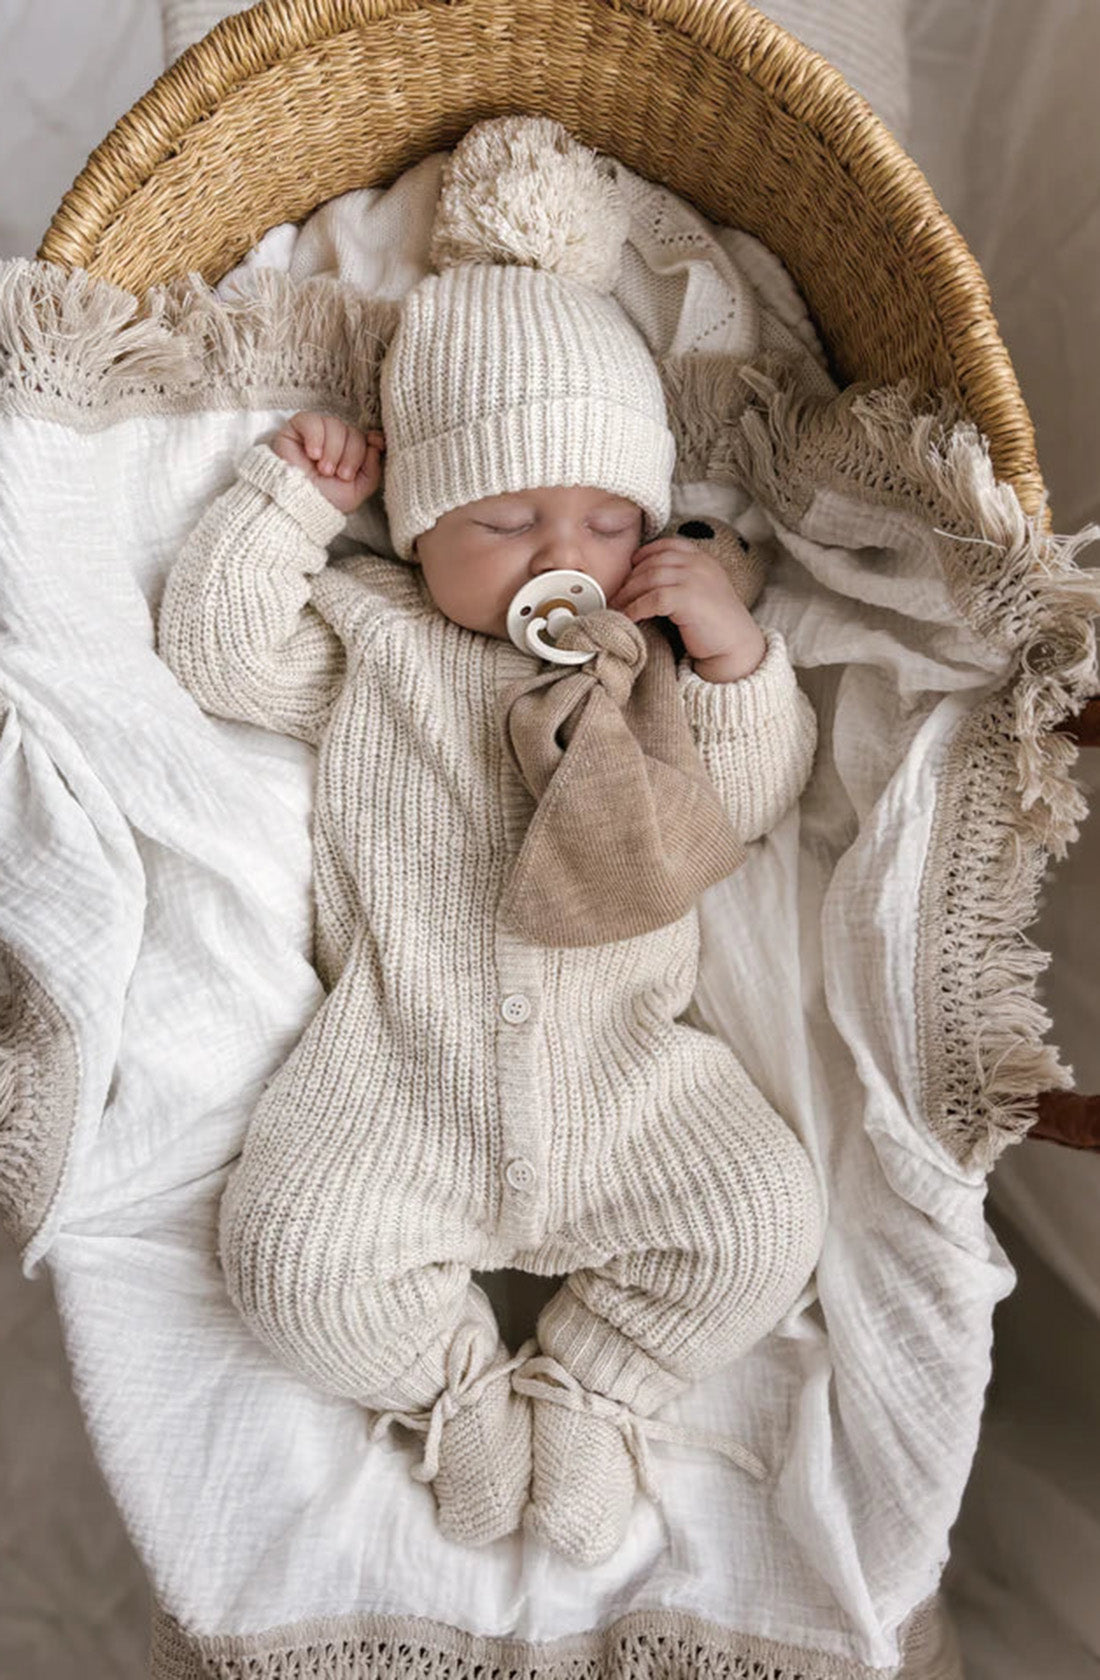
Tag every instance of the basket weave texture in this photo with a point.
(296, 101)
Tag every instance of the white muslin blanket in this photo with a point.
(154, 935)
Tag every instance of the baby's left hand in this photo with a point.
(673, 578)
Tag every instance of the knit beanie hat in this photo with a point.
(512, 367)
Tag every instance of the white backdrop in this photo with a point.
(995, 100)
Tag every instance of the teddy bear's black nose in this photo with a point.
(695, 528)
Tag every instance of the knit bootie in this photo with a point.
(483, 1476)
(583, 1483)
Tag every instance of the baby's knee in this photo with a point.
(379, 1340)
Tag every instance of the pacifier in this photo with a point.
(541, 609)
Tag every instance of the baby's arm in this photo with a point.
(756, 737)
(236, 624)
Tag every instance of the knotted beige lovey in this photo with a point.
(629, 828)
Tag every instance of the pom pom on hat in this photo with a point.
(520, 190)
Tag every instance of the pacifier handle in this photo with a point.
(542, 608)
(533, 636)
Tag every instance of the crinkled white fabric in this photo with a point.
(159, 886)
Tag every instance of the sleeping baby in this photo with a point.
(502, 1079)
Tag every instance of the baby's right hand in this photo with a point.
(344, 464)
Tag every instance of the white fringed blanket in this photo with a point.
(868, 965)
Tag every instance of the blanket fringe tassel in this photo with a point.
(1008, 803)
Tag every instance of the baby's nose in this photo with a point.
(561, 554)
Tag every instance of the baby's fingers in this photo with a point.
(333, 445)
(351, 460)
(310, 429)
(369, 476)
(653, 603)
(288, 447)
(658, 569)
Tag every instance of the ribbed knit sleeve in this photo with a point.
(236, 625)
(756, 737)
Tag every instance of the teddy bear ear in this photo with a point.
(744, 564)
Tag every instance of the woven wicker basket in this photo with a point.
(296, 101)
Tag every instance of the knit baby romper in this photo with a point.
(462, 1100)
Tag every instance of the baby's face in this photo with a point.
(476, 556)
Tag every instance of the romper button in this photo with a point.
(520, 1174)
(515, 1008)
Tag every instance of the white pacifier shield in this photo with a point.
(543, 607)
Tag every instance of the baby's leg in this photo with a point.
(711, 1223)
(741, 1237)
(381, 1341)
(361, 1284)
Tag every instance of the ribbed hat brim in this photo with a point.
(558, 441)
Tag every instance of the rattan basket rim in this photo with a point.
(812, 91)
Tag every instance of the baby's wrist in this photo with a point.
(290, 489)
(739, 661)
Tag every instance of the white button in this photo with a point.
(520, 1174)
(515, 1008)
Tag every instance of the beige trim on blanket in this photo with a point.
(647, 1645)
(38, 1096)
(77, 351)
(1006, 801)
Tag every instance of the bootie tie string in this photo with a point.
(463, 1385)
(543, 1378)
